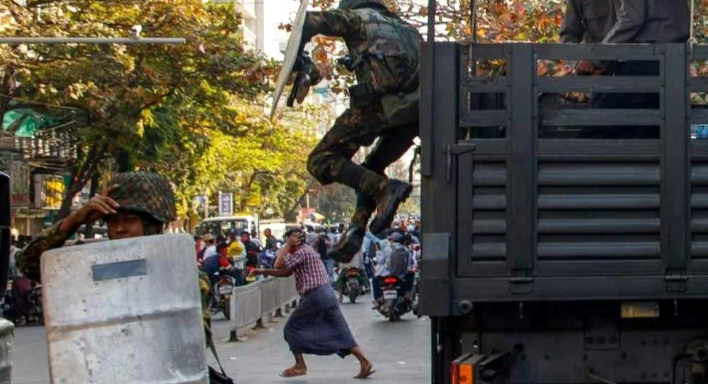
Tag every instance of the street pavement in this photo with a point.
(400, 352)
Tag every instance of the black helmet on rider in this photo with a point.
(355, 4)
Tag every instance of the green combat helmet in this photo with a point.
(355, 4)
(147, 193)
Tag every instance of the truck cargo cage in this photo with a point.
(540, 215)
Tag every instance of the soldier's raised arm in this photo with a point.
(572, 30)
(333, 23)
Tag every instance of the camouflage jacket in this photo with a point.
(384, 50)
(29, 263)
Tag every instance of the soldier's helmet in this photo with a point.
(147, 193)
(354, 4)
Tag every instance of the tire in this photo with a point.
(227, 307)
(353, 289)
(392, 315)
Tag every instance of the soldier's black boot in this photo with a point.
(396, 193)
(348, 245)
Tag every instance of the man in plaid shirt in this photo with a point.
(317, 326)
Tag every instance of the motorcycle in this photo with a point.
(35, 312)
(397, 302)
(352, 288)
(9, 305)
(267, 258)
(33, 308)
(222, 291)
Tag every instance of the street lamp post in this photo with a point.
(92, 40)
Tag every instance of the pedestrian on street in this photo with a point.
(322, 245)
(209, 248)
(271, 241)
(317, 326)
(251, 250)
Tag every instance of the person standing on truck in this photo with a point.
(384, 55)
(641, 22)
(317, 327)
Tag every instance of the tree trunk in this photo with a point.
(81, 172)
(7, 87)
(94, 187)
(291, 214)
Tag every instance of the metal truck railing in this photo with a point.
(552, 218)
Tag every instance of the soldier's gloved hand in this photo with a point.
(585, 68)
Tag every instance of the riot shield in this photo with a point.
(291, 54)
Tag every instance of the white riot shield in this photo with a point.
(291, 54)
(124, 311)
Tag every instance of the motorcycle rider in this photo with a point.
(357, 263)
(237, 255)
(393, 260)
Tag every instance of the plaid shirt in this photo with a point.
(308, 269)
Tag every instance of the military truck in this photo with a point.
(566, 260)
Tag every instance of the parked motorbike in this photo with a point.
(10, 311)
(397, 302)
(267, 258)
(33, 308)
(221, 292)
(352, 289)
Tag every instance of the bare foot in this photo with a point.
(294, 372)
(367, 369)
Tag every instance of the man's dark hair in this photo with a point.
(292, 232)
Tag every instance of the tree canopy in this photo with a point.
(192, 111)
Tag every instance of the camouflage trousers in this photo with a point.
(359, 127)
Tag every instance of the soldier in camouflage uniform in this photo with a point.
(384, 55)
(136, 204)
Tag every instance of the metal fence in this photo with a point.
(252, 303)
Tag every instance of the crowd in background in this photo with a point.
(395, 251)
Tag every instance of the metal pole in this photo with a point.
(91, 40)
(473, 19)
(432, 9)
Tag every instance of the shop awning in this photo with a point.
(26, 122)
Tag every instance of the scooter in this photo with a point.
(33, 308)
(352, 288)
(222, 291)
(397, 302)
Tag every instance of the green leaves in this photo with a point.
(194, 111)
